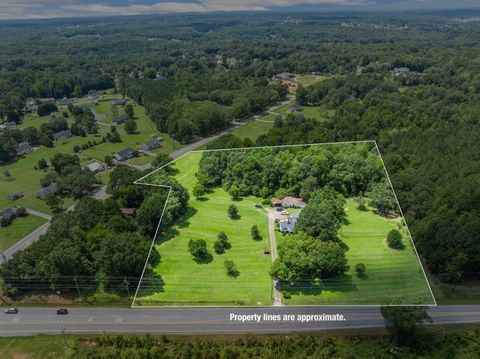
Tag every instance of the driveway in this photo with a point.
(273, 215)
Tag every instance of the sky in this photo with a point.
(42, 9)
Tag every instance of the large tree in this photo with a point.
(305, 258)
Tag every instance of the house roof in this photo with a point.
(128, 211)
(9, 212)
(52, 189)
(124, 153)
(62, 134)
(25, 148)
(289, 201)
(120, 119)
(95, 167)
(153, 143)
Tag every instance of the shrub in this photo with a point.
(21, 212)
(360, 269)
(233, 211)
(198, 249)
(221, 244)
(5, 221)
(255, 233)
(394, 239)
(230, 268)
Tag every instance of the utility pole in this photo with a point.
(125, 281)
(76, 284)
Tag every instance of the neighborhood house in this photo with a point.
(118, 101)
(62, 135)
(9, 213)
(120, 120)
(152, 144)
(44, 192)
(291, 202)
(288, 225)
(124, 154)
(96, 167)
(23, 149)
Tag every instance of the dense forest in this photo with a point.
(197, 73)
(461, 344)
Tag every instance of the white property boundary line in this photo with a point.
(139, 182)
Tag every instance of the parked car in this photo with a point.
(280, 209)
(258, 206)
(11, 311)
(62, 311)
(285, 213)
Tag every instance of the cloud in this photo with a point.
(202, 6)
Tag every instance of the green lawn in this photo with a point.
(254, 129)
(393, 276)
(179, 280)
(19, 228)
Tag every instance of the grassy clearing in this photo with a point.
(179, 280)
(254, 129)
(308, 79)
(19, 228)
(38, 347)
(393, 276)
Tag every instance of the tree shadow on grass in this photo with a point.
(183, 221)
(152, 283)
(342, 284)
(165, 237)
(205, 259)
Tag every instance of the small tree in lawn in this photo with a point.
(360, 269)
(255, 233)
(221, 244)
(130, 126)
(129, 111)
(108, 160)
(394, 239)
(198, 249)
(230, 268)
(233, 211)
(234, 191)
(5, 221)
(198, 190)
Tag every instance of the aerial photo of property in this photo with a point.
(233, 179)
(325, 215)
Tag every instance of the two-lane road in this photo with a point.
(30, 321)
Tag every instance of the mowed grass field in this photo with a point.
(19, 228)
(179, 280)
(392, 277)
